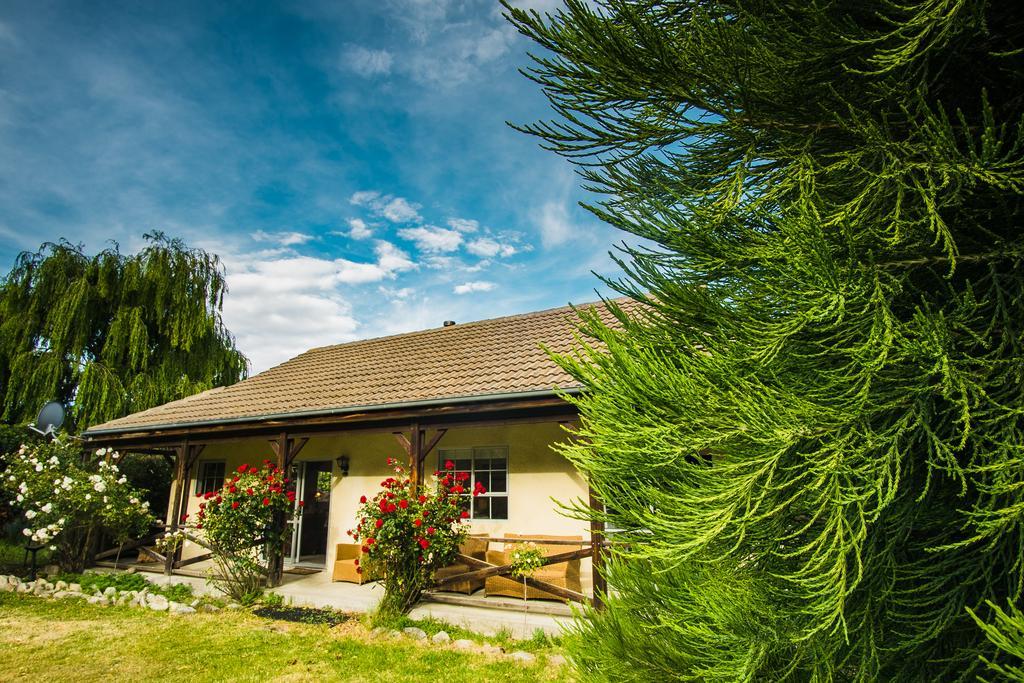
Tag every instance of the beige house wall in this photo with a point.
(538, 476)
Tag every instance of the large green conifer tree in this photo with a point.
(813, 438)
(112, 334)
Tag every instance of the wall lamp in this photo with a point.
(342, 461)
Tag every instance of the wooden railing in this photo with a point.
(481, 569)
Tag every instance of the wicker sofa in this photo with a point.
(563, 574)
(345, 567)
(473, 546)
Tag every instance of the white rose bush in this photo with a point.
(69, 500)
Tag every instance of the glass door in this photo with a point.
(309, 529)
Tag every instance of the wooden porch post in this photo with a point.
(596, 543)
(275, 564)
(418, 448)
(181, 453)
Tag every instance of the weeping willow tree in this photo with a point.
(812, 435)
(112, 334)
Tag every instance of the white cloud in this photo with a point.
(367, 62)
(463, 224)
(286, 239)
(432, 238)
(396, 294)
(398, 210)
(364, 197)
(358, 230)
(489, 248)
(470, 287)
(395, 209)
(553, 221)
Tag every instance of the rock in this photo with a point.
(61, 586)
(50, 570)
(7, 588)
(195, 603)
(491, 650)
(158, 603)
(379, 632)
(557, 660)
(75, 587)
(395, 634)
(233, 605)
(414, 632)
(110, 592)
(94, 600)
(178, 608)
(24, 588)
(463, 644)
(441, 637)
(524, 657)
(207, 607)
(130, 570)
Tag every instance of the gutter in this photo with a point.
(325, 412)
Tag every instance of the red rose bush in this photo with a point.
(406, 536)
(243, 525)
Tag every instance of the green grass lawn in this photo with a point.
(44, 640)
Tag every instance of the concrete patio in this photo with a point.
(317, 590)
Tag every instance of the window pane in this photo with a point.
(485, 479)
(499, 482)
(464, 464)
(499, 464)
(499, 507)
(481, 508)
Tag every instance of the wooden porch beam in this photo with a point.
(433, 442)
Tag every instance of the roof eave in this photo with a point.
(327, 412)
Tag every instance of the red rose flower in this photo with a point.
(253, 470)
(458, 489)
(417, 522)
(371, 541)
(266, 501)
(233, 489)
(249, 491)
(362, 499)
(365, 548)
(199, 495)
(184, 517)
(379, 523)
(199, 526)
(392, 507)
(449, 465)
(242, 469)
(425, 513)
(234, 505)
(359, 570)
(302, 503)
(430, 530)
(465, 514)
(403, 504)
(424, 543)
(422, 499)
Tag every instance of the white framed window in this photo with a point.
(210, 477)
(487, 465)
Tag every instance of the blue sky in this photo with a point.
(349, 161)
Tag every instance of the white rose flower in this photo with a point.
(27, 532)
(101, 452)
(106, 500)
(39, 468)
(23, 487)
(122, 480)
(53, 547)
(30, 514)
(47, 508)
(10, 478)
(60, 521)
(35, 537)
(20, 498)
(134, 501)
(88, 496)
(53, 460)
(145, 503)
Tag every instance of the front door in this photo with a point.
(309, 531)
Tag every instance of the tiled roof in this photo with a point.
(476, 359)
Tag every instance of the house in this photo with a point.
(483, 394)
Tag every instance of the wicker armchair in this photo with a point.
(345, 567)
(473, 546)
(563, 574)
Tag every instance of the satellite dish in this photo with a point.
(50, 418)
